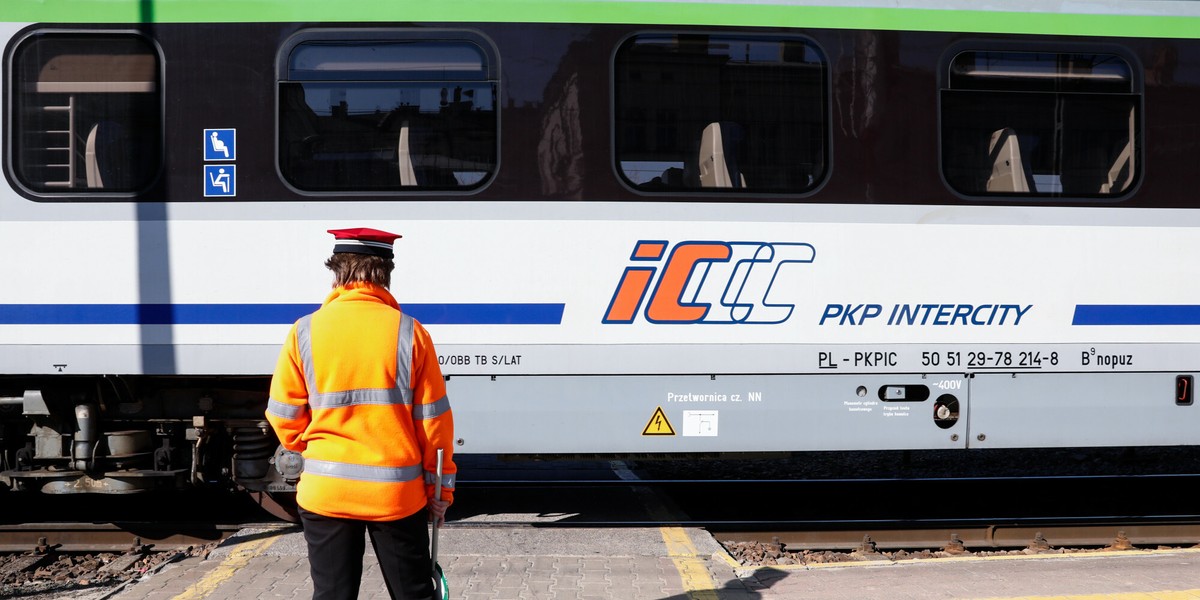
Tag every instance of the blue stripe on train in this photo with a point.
(263, 314)
(1137, 314)
(451, 314)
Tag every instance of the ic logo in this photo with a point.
(707, 282)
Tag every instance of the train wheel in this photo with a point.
(280, 504)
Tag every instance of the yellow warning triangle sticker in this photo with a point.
(658, 425)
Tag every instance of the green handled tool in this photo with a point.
(440, 587)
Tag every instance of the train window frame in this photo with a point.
(87, 166)
(730, 186)
(488, 74)
(1003, 155)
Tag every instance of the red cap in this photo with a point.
(364, 240)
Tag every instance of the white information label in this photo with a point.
(700, 423)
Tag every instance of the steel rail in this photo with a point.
(113, 537)
(1038, 537)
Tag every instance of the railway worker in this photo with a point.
(358, 392)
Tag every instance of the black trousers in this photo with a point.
(335, 555)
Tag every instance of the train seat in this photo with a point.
(106, 153)
(1009, 173)
(1121, 173)
(718, 156)
(91, 165)
(422, 160)
(1123, 168)
(408, 175)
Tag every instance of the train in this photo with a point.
(633, 228)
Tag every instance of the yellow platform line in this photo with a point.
(1162, 595)
(238, 558)
(698, 583)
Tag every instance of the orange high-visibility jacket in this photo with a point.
(358, 392)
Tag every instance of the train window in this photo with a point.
(87, 113)
(720, 113)
(1040, 124)
(373, 111)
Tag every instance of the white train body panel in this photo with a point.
(802, 373)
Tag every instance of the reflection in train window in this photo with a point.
(387, 115)
(720, 113)
(87, 114)
(1040, 125)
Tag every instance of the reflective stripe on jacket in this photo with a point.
(358, 391)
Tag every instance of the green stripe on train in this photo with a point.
(595, 11)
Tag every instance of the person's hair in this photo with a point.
(349, 268)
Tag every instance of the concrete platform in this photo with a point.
(669, 564)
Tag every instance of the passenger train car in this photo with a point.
(632, 227)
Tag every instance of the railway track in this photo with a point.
(47, 558)
(945, 515)
(974, 513)
(110, 537)
(760, 548)
(823, 535)
(1125, 535)
(758, 521)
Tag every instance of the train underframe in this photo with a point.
(131, 434)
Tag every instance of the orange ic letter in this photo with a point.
(634, 282)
